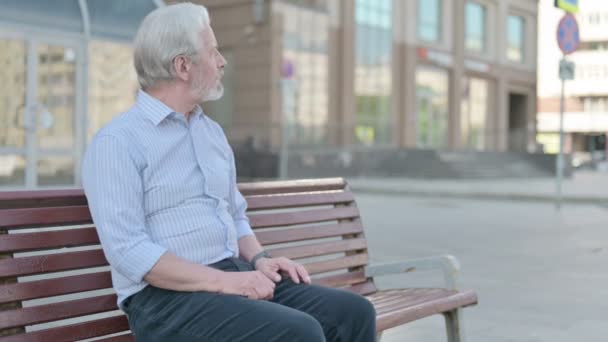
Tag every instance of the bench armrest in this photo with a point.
(448, 264)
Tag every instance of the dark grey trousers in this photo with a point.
(298, 312)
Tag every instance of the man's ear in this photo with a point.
(182, 67)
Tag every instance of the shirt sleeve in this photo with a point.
(241, 221)
(114, 190)
(238, 205)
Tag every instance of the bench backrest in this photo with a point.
(55, 283)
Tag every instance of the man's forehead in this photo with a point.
(209, 36)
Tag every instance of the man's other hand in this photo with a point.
(253, 284)
(271, 268)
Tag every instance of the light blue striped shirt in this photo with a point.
(156, 182)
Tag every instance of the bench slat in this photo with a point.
(300, 217)
(427, 303)
(260, 202)
(364, 288)
(52, 216)
(46, 240)
(308, 233)
(397, 298)
(340, 280)
(51, 263)
(41, 198)
(74, 332)
(290, 186)
(336, 264)
(298, 252)
(121, 338)
(57, 311)
(55, 287)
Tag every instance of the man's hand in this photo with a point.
(271, 267)
(253, 284)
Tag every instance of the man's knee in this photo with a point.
(305, 328)
(356, 306)
(365, 308)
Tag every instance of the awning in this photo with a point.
(106, 19)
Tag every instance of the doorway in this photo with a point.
(518, 114)
(39, 110)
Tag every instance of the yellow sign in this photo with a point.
(570, 6)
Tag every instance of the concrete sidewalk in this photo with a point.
(584, 187)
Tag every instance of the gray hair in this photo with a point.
(164, 34)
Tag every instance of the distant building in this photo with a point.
(427, 74)
(434, 74)
(586, 116)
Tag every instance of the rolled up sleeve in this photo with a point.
(113, 186)
(238, 205)
(241, 221)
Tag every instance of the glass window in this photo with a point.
(515, 38)
(55, 98)
(432, 100)
(475, 27)
(474, 108)
(112, 82)
(429, 20)
(305, 72)
(13, 72)
(373, 62)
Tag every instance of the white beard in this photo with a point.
(199, 92)
(214, 93)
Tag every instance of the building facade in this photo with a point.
(432, 74)
(302, 74)
(586, 103)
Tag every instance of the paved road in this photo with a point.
(540, 275)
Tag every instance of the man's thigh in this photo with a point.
(342, 314)
(162, 315)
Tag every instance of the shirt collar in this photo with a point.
(156, 111)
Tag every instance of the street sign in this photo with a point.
(567, 34)
(566, 70)
(570, 6)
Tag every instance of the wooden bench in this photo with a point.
(55, 284)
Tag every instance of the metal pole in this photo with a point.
(284, 155)
(560, 156)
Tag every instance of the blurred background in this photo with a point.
(447, 89)
(442, 114)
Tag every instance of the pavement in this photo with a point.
(540, 273)
(585, 187)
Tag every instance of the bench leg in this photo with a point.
(454, 326)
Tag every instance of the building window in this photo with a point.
(373, 61)
(432, 100)
(515, 38)
(305, 71)
(474, 108)
(475, 29)
(112, 82)
(595, 104)
(429, 20)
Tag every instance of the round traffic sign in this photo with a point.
(567, 34)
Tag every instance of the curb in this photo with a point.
(481, 195)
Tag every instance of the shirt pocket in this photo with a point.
(218, 180)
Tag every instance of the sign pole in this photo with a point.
(560, 156)
(568, 41)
